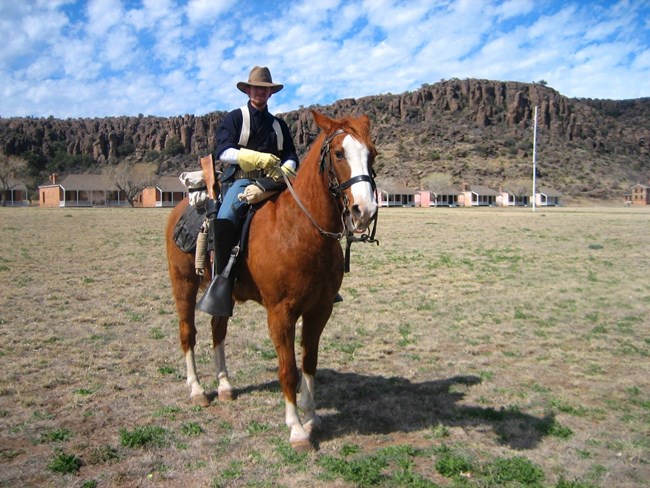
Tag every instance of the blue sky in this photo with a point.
(101, 58)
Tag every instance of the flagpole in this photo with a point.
(534, 155)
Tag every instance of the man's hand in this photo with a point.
(249, 160)
(253, 194)
(276, 173)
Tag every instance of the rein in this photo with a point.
(337, 189)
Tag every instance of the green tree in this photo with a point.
(173, 147)
(62, 162)
(36, 163)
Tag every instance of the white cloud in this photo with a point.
(102, 15)
(25, 30)
(513, 8)
(42, 68)
(77, 58)
(121, 48)
(169, 57)
(207, 11)
(169, 33)
(43, 25)
(642, 61)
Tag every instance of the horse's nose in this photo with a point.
(362, 215)
(356, 212)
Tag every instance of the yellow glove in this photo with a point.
(254, 194)
(249, 160)
(276, 173)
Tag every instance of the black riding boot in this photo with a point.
(217, 299)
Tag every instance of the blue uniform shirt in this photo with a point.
(262, 136)
(263, 139)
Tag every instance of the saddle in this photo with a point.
(192, 221)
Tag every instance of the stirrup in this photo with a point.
(338, 298)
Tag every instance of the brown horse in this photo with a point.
(293, 264)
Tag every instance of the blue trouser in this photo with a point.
(232, 208)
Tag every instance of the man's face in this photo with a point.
(259, 96)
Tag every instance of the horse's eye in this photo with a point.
(339, 154)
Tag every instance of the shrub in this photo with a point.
(144, 436)
(517, 469)
(126, 149)
(56, 435)
(173, 147)
(450, 464)
(65, 463)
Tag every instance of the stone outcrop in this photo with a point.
(475, 130)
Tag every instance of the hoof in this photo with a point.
(313, 427)
(226, 395)
(201, 400)
(302, 445)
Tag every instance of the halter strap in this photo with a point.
(358, 179)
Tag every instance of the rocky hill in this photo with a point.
(474, 131)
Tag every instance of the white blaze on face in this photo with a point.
(357, 155)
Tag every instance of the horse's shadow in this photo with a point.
(370, 405)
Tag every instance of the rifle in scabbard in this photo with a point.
(207, 166)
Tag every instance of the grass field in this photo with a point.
(475, 348)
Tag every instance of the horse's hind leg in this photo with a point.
(187, 331)
(219, 329)
(185, 285)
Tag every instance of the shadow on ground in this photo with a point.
(371, 405)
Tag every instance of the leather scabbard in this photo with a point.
(207, 165)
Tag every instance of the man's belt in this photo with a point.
(249, 175)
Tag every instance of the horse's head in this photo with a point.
(347, 155)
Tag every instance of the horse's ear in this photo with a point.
(322, 121)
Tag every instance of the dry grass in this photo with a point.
(489, 332)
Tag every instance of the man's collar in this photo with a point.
(254, 110)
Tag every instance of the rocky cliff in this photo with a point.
(476, 131)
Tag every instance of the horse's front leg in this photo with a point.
(282, 331)
(311, 421)
(312, 328)
(219, 329)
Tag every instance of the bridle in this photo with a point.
(340, 198)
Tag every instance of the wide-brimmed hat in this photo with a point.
(260, 76)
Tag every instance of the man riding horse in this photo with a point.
(293, 263)
(256, 149)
